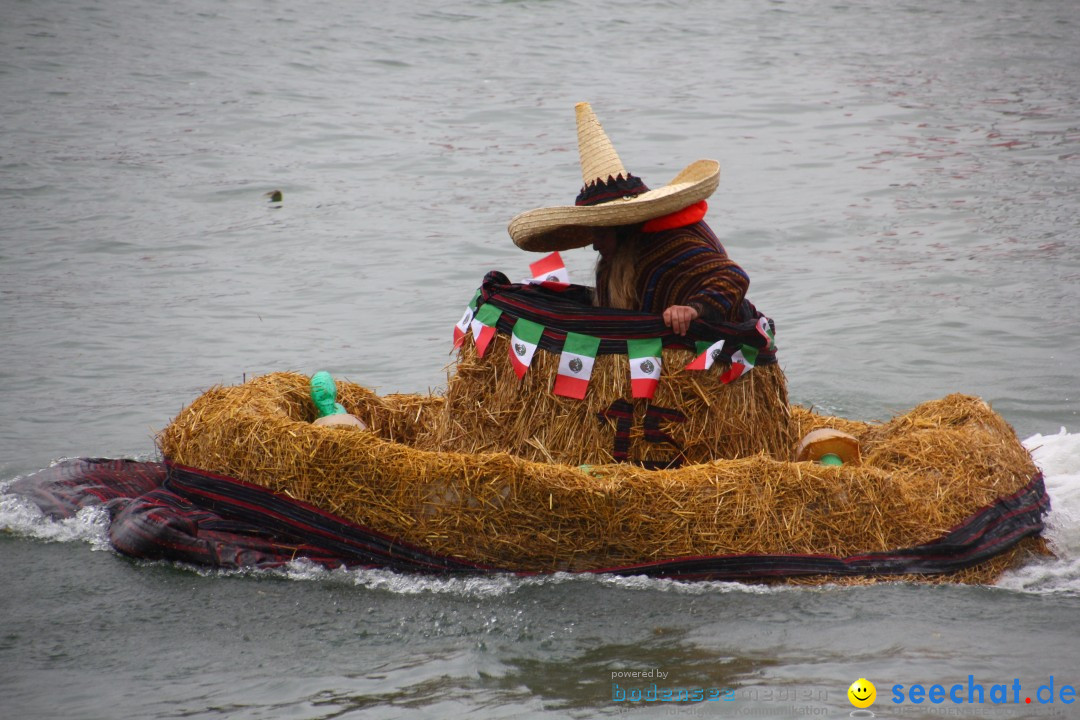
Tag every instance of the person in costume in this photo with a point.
(657, 254)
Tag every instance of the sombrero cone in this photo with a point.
(611, 196)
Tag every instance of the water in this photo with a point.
(899, 179)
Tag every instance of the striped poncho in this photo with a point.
(685, 266)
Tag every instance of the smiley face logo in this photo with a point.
(862, 693)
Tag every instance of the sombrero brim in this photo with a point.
(567, 227)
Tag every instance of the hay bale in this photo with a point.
(922, 473)
(488, 409)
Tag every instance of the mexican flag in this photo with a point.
(549, 269)
(483, 327)
(742, 362)
(766, 332)
(645, 359)
(707, 355)
(462, 327)
(575, 365)
(523, 342)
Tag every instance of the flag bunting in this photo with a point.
(576, 365)
(706, 355)
(550, 271)
(645, 360)
(523, 341)
(483, 327)
(742, 362)
(463, 325)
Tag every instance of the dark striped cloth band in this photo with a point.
(571, 310)
(176, 513)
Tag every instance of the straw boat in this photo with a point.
(698, 481)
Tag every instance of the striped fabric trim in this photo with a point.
(203, 518)
(689, 266)
(63, 489)
(613, 188)
(571, 310)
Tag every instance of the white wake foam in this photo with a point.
(22, 517)
(1058, 456)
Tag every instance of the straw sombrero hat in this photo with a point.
(611, 195)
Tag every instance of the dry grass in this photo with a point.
(488, 409)
(923, 472)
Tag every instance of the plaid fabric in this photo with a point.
(65, 488)
(182, 514)
(571, 310)
(686, 266)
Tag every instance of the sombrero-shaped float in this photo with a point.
(578, 439)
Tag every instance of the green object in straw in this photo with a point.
(324, 394)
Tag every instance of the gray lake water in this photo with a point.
(900, 180)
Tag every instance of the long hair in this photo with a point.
(616, 273)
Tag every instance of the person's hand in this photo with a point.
(678, 317)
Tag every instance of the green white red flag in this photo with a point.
(742, 362)
(523, 341)
(549, 269)
(483, 327)
(462, 327)
(645, 360)
(576, 365)
(766, 331)
(707, 355)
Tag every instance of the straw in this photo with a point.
(923, 472)
(487, 408)
(597, 155)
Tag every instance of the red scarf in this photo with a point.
(679, 218)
